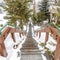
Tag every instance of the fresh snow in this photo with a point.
(3, 58)
(51, 43)
(17, 37)
(14, 53)
(42, 38)
(9, 43)
(44, 58)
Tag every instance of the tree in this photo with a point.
(41, 16)
(58, 14)
(17, 10)
(43, 13)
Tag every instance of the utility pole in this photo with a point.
(34, 7)
(34, 11)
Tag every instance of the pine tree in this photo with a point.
(17, 10)
(43, 13)
(58, 14)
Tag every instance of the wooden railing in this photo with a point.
(11, 30)
(3, 36)
(56, 36)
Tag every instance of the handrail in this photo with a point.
(4, 27)
(58, 28)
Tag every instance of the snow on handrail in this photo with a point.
(6, 25)
(2, 28)
(58, 28)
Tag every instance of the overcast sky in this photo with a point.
(1, 0)
(36, 0)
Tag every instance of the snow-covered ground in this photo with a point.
(13, 52)
(51, 43)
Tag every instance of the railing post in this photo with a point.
(12, 35)
(57, 51)
(2, 47)
(47, 36)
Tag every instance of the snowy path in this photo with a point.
(14, 53)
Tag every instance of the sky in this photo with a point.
(36, 0)
(1, 0)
